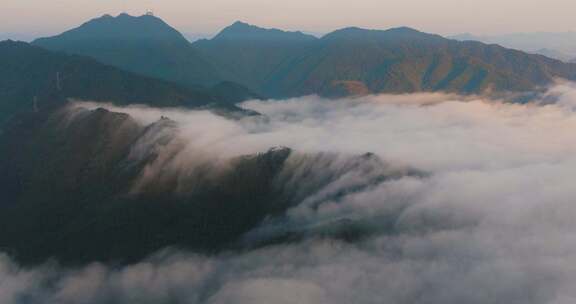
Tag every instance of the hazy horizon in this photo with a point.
(445, 17)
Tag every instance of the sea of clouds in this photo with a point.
(491, 221)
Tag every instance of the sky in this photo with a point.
(29, 18)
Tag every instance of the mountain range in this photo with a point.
(74, 188)
(558, 45)
(282, 64)
(30, 72)
(68, 175)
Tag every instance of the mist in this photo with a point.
(481, 211)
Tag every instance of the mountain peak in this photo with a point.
(401, 33)
(125, 18)
(245, 31)
(140, 44)
(239, 28)
(239, 23)
(404, 30)
(123, 26)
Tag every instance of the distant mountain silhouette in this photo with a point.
(398, 60)
(252, 54)
(143, 44)
(27, 72)
(244, 31)
(404, 60)
(276, 63)
(558, 45)
(553, 54)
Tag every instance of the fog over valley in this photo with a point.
(460, 199)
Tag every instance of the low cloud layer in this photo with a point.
(490, 221)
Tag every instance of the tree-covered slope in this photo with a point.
(252, 54)
(83, 185)
(283, 64)
(27, 72)
(404, 60)
(353, 61)
(144, 44)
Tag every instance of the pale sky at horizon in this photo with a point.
(39, 17)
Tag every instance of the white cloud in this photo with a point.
(493, 222)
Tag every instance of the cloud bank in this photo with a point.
(489, 220)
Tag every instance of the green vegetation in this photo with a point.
(145, 45)
(400, 60)
(283, 64)
(29, 72)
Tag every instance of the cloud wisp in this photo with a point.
(490, 219)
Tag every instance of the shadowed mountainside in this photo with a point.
(356, 61)
(253, 54)
(28, 71)
(282, 64)
(144, 44)
(78, 186)
(404, 60)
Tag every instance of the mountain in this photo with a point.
(355, 61)
(144, 44)
(27, 37)
(230, 93)
(27, 71)
(252, 54)
(553, 54)
(86, 191)
(559, 45)
(405, 60)
(281, 64)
